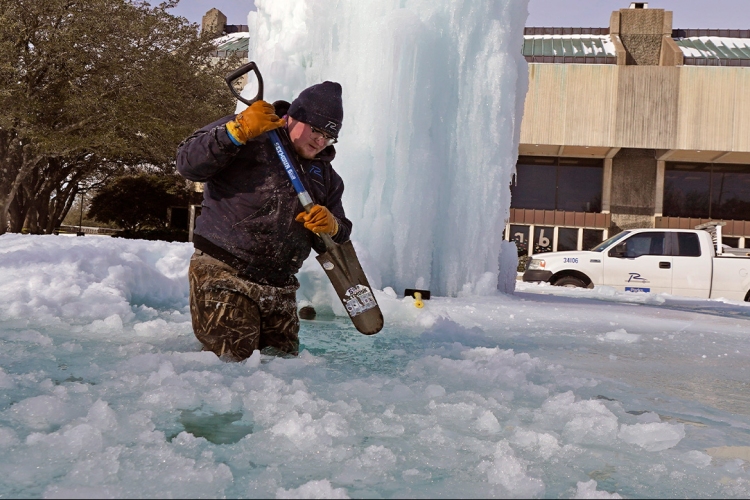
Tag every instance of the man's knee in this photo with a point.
(280, 329)
(226, 322)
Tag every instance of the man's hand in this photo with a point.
(319, 220)
(258, 118)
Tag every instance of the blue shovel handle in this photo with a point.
(299, 188)
(302, 194)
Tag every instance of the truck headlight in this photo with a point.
(535, 264)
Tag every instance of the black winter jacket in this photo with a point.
(249, 204)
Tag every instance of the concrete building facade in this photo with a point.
(637, 125)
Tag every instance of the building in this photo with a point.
(230, 37)
(635, 125)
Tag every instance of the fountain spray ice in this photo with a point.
(433, 97)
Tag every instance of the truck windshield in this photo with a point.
(604, 244)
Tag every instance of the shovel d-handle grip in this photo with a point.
(304, 197)
(243, 70)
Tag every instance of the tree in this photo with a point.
(138, 202)
(48, 192)
(89, 88)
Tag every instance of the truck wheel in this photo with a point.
(570, 282)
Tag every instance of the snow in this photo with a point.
(619, 336)
(588, 490)
(541, 391)
(589, 46)
(433, 97)
(230, 37)
(313, 489)
(548, 391)
(654, 436)
(727, 43)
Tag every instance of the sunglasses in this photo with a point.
(317, 134)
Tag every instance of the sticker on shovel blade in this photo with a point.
(358, 299)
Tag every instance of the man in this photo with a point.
(252, 235)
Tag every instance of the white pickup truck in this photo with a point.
(692, 263)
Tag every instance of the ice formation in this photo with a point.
(433, 92)
(104, 391)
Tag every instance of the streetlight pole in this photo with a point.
(80, 219)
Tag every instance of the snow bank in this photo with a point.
(465, 397)
(50, 279)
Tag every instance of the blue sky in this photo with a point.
(235, 10)
(730, 14)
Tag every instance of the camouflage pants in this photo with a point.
(233, 316)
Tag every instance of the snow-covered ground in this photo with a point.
(548, 392)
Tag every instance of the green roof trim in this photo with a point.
(568, 46)
(715, 47)
(234, 43)
(573, 45)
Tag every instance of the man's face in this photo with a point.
(305, 142)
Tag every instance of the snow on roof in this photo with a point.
(232, 39)
(568, 45)
(563, 48)
(715, 47)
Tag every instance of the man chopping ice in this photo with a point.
(253, 235)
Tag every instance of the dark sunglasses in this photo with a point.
(317, 133)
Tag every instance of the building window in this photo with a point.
(711, 191)
(520, 234)
(731, 242)
(544, 239)
(532, 239)
(730, 192)
(547, 183)
(567, 239)
(591, 238)
(535, 184)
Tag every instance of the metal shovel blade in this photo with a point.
(342, 266)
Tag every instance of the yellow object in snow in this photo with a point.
(419, 296)
(418, 300)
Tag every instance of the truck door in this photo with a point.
(691, 275)
(640, 263)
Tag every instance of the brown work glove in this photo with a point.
(259, 117)
(319, 220)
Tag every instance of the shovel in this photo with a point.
(340, 262)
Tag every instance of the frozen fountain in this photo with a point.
(433, 96)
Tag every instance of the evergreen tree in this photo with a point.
(138, 202)
(90, 87)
